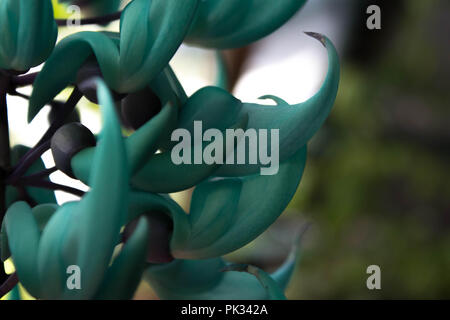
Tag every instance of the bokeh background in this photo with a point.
(376, 188)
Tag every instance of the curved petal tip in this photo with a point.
(317, 36)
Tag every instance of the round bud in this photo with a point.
(84, 80)
(161, 227)
(139, 107)
(68, 141)
(53, 114)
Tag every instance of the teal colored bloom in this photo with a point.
(28, 33)
(217, 279)
(236, 23)
(227, 212)
(127, 226)
(129, 60)
(46, 240)
(217, 108)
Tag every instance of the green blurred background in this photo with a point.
(376, 188)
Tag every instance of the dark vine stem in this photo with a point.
(21, 95)
(44, 143)
(102, 20)
(4, 141)
(27, 160)
(45, 184)
(24, 80)
(42, 174)
(4, 162)
(9, 284)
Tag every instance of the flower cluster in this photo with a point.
(127, 227)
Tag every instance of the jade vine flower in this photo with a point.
(127, 227)
(70, 232)
(28, 33)
(234, 23)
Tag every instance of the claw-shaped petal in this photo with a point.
(36, 194)
(122, 278)
(236, 23)
(208, 279)
(85, 233)
(296, 123)
(128, 62)
(228, 213)
(140, 145)
(82, 233)
(23, 237)
(225, 213)
(28, 33)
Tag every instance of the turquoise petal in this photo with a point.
(162, 26)
(140, 145)
(236, 23)
(37, 194)
(123, 277)
(272, 288)
(28, 34)
(206, 279)
(225, 213)
(62, 66)
(297, 123)
(228, 213)
(141, 203)
(85, 233)
(222, 77)
(23, 237)
(42, 214)
(160, 174)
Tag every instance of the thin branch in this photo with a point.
(21, 95)
(65, 111)
(4, 129)
(24, 80)
(44, 143)
(9, 284)
(27, 160)
(42, 174)
(4, 142)
(45, 184)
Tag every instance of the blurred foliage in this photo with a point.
(377, 182)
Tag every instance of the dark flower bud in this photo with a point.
(139, 107)
(86, 82)
(53, 114)
(161, 227)
(68, 141)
